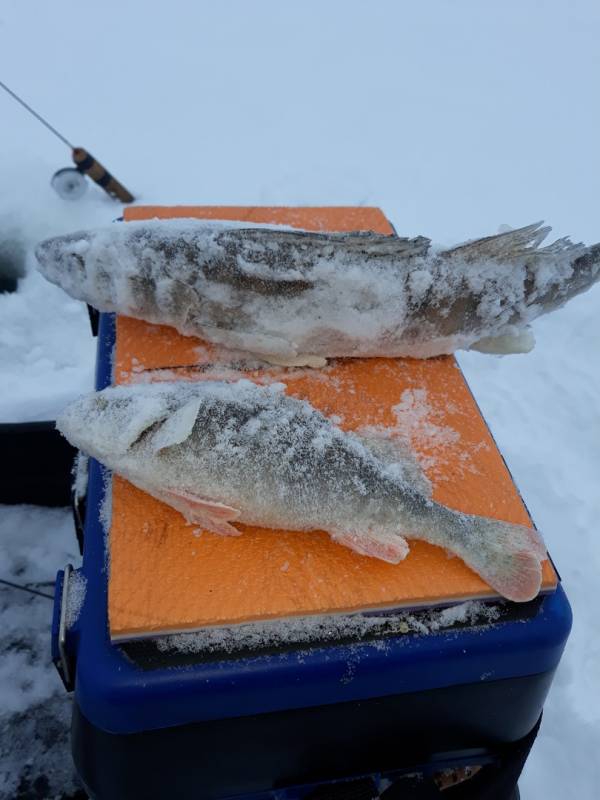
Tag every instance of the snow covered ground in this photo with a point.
(453, 117)
(34, 708)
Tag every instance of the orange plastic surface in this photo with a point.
(165, 578)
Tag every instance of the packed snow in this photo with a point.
(332, 627)
(453, 117)
(34, 708)
(75, 597)
(296, 295)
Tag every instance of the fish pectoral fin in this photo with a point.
(208, 514)
(395, 450)
(521, 342)
(259, 344)
(391, 548)
(301, 360)
(177, 427)
(215, 525)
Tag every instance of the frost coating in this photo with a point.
(220, 452)
(75, 597)
(80, 475)
(296, 296)
(331, 627)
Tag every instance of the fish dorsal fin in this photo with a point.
(502, 246)
(369, 241)
(562, 246)
(378, 244)
(394, 450)
(178, 426)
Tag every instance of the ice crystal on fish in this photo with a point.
(298, 297)
(220, 452)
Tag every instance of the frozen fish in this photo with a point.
(297, 297)
(225, 452)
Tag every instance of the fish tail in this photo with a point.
(507, 556)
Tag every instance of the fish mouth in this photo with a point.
(45, 254)
(586, 272)
(588, 265)
(63, 256)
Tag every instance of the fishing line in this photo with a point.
(36, 115)
(26, 589)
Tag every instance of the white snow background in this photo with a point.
(454, 117)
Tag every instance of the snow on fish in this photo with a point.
(297, 297)
(220, 452)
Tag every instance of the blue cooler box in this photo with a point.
(345, 718)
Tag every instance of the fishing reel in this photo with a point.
(69, 183)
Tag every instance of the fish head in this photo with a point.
(108, 424)
(61, 259)
(584, 273)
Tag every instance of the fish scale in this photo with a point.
(219, 452)
(295, 297)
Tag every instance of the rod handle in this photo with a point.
(87, 164)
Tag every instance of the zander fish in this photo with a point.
(219, 452)
(297, 297)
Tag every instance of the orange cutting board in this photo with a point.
(166, 578)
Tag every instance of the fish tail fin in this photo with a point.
(507, 556)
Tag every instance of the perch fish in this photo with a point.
(220, 452)
(296, 297)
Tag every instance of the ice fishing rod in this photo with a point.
(69, 182)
